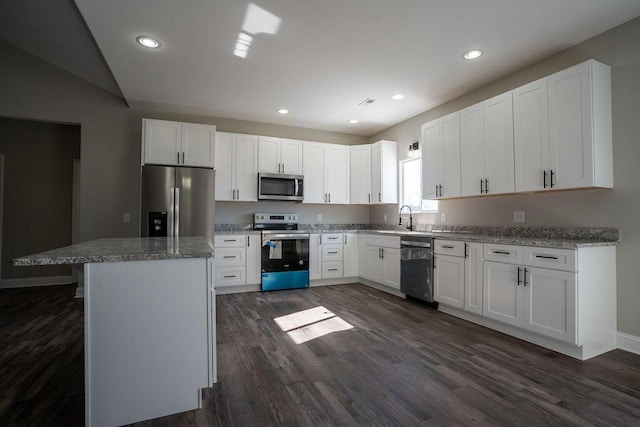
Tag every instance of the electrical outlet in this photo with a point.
(384, 218)
(126, 217)
(319, 217)
(518, 216)
(443, 217)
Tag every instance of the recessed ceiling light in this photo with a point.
(353, 121)
(283, 111)
(397, 96)
(472, 54)
(147, 41)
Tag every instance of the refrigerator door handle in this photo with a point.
(176, 216)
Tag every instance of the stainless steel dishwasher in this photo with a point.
(416, 268)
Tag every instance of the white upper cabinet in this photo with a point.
(486, 134)
(441, 157)
(374, 173)
(384, 172)
(326, 173)
(236, 167)
(280, 155)
(176, 143)
(562, 128)
(361, 174)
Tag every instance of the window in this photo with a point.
(411, 187)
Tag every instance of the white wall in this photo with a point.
(619, 207)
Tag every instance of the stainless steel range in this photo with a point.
(285, 251)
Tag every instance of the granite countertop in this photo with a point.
(562, 237)
(121, 249)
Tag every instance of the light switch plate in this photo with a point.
(518, 216)
(443, 217)
(319, 217)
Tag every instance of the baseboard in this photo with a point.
(381, 287)
(337, 281)
(627, 342)
(36, 281)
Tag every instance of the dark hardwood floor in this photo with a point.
(400, 365)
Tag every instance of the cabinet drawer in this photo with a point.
(556, 259)
(509, 254)
(332, 239)
(230, 241)
(230, 276)
(331, 270)
(449, 247)
(332, 253)
(230, 257)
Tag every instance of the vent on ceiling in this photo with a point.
(366, 102)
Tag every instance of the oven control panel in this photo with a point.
(275, 218)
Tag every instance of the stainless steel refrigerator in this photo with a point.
(177, 201)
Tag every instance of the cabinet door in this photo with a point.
(254, 270)
(570, 127)
(473, 278)
(498, 145)
(449, 280)
(269, 154)
(472, 150)
(336, 173)
(550, 303)
(391, 262)
(450, 156)
(198, 145)
(431, 159)
(376, 173)
(224, 165)
(350, 255)
(291, 157)
(315, 257)
(375, 268)
(361, 174)
(362, 255)
(162, 142)
(388, 165)
(313, 161)
(531, 135)
(502, 296)
(246, 168)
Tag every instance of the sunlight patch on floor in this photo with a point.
(306, 325)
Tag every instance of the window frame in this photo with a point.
(401, 201)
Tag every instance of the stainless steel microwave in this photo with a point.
(278, 186)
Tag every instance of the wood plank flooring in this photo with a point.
(400, 365)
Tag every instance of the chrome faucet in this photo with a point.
(410, 226)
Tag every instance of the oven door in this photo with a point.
(285, 261)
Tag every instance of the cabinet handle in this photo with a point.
(518, 284)
(547, 257)
(465, 250)
(332, 269)
(332, 252)
(486, 186)
(481, 183)
(382, 249)
(501, 252)
(524, 279)
(379, 197)
(447, 247)
(229, 277)
(238, 194)
(283, 168)
(379, 253)
(544, 179)
(551, 180)
(369, 197)
(329, 197)
(178, 161)
(345, 239)
(333, 238)
(229, 240)
(183, 157)
(248, 241)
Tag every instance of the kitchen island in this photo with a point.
(149, 310)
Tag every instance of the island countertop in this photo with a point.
(121, 249)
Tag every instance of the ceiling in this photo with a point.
(317, 58)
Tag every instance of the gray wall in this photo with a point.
(38, 184)
(619, 207)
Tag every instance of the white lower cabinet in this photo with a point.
(315, 257)
(383, 260)
(449, 280)
(333, 256)
(473, 277)
(458, 274)
(539, 299)
(237, 258)
(350, 265)
(362, 255)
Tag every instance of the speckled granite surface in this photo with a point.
(121, 249)
(554, 237)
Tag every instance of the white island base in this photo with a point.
(149, 338)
